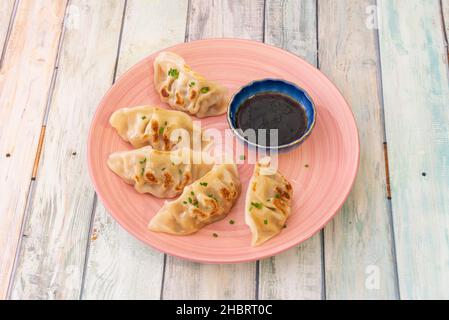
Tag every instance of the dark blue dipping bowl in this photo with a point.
(272, 86)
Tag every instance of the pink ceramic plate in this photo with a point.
(322, 170)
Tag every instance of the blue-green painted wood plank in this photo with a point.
(416, 103)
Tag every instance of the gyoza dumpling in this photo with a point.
(148, 125)
(186, 90)
(268, 203)
(205, 201)
(163, 174)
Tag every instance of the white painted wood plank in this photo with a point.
(358, 242)
(6, 12)
(25, 79)
(119, 266)
(291, 25)
(189, 280)
(297, 273)
(226, 18)
(416, 101)
(52, 257)
(241, 19)
(151, 26)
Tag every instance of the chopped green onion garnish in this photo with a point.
(204, 184)
(277, 195)
(161, 130)
(144, 117)
(191, 84)
(265, 221)
(231, 221)
(204, 90)
(173, 73)
(256, 204)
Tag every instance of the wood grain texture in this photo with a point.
(25, 79)
(416, 95)
(208, 19)
(119, 266)
(297, 273)
(226, 18)
(52, 257)
(188, 280)
(445, 13)
(358, 241)
(6, 14)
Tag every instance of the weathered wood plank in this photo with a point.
(188, 280)
(242, 19)
(25, 79)
(358, 242)
(119, 266)
(297, 273)
(445, 13)
(6, 14)
(226, 18)
(416, 95)
(53, 250)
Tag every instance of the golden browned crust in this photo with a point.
(164, 92)
(280, 205)
(150, 177)
(227, 194)
(167, 144)
(282, 193)
(168, 180)
(179, 99)
(206, 215)
(154, 130)
(184, 181)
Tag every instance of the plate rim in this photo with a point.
(261, 256)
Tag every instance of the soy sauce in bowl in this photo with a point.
(272, 104)
(271, 110)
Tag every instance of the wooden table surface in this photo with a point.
(389, 59)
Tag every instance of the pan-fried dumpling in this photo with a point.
(268, 203)
(148, 125)
(163, 174)
(186, 90)
(205, 201)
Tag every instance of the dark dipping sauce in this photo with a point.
(271, 110)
